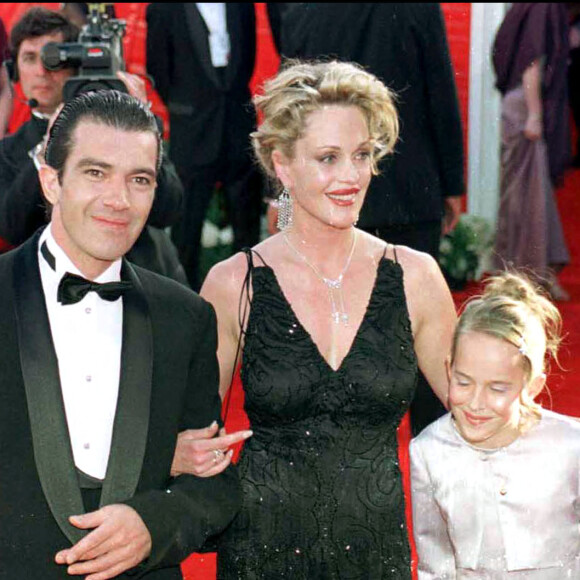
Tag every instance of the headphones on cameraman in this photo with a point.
(11, 67)
(12, 70)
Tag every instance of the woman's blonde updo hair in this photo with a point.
(514, 309)
(303, 87)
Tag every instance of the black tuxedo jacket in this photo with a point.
(405, 45)
(210, 114)
(169, 382)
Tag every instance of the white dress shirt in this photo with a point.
(214, 16)
(87, 338)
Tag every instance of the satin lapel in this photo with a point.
(52, 449)
(235, 31)
(132, 416)
(199, 35)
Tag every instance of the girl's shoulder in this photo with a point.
(552, 423)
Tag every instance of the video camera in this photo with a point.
(97, 55)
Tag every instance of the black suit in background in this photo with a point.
(211, 118)
(404, 45)
(169, 378)
(22, 207)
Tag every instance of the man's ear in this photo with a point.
(50, 183)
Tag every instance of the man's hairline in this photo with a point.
(89, 118)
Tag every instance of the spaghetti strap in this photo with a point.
(251, 252)
(243, 305)
(394, 252)
(249, 257)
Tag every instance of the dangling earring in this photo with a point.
(285, 210)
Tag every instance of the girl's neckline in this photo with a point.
(485, 450)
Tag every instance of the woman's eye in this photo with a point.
(364, 155)
(327, 159)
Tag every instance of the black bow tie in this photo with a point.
(73, 289)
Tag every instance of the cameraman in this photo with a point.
(22, 208)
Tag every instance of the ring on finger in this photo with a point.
(218, 454)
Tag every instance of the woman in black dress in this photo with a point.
(335, 324)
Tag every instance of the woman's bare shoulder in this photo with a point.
(226, 278)
(418, 267)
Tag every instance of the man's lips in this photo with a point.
(113, 222)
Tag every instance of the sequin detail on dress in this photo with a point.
(323, 495)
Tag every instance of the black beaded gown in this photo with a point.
(322, 489)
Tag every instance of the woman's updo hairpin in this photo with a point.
(523, 348)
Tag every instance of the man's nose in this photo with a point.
(118, 195)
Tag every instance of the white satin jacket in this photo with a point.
(531, 487)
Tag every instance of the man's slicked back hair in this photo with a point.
(108, 107)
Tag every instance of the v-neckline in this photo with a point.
(307, 333)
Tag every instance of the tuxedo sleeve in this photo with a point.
(191, 509)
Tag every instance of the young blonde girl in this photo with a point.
(495, 482)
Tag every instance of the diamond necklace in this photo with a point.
(334, 286)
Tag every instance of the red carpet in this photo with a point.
(563, 383)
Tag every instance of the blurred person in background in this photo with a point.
(530, 57)
(201, 56)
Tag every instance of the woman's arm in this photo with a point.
(433, 316)
(532, 83)
(223, 289)
(205, 452)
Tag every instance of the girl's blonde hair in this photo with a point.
(514, 309)
(303, 87)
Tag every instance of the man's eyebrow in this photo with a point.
(92, 162)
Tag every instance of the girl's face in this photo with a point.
(331, 169)
(486, 381)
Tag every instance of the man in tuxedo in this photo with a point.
(201, 56)
(22, 208)
(103, 364)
